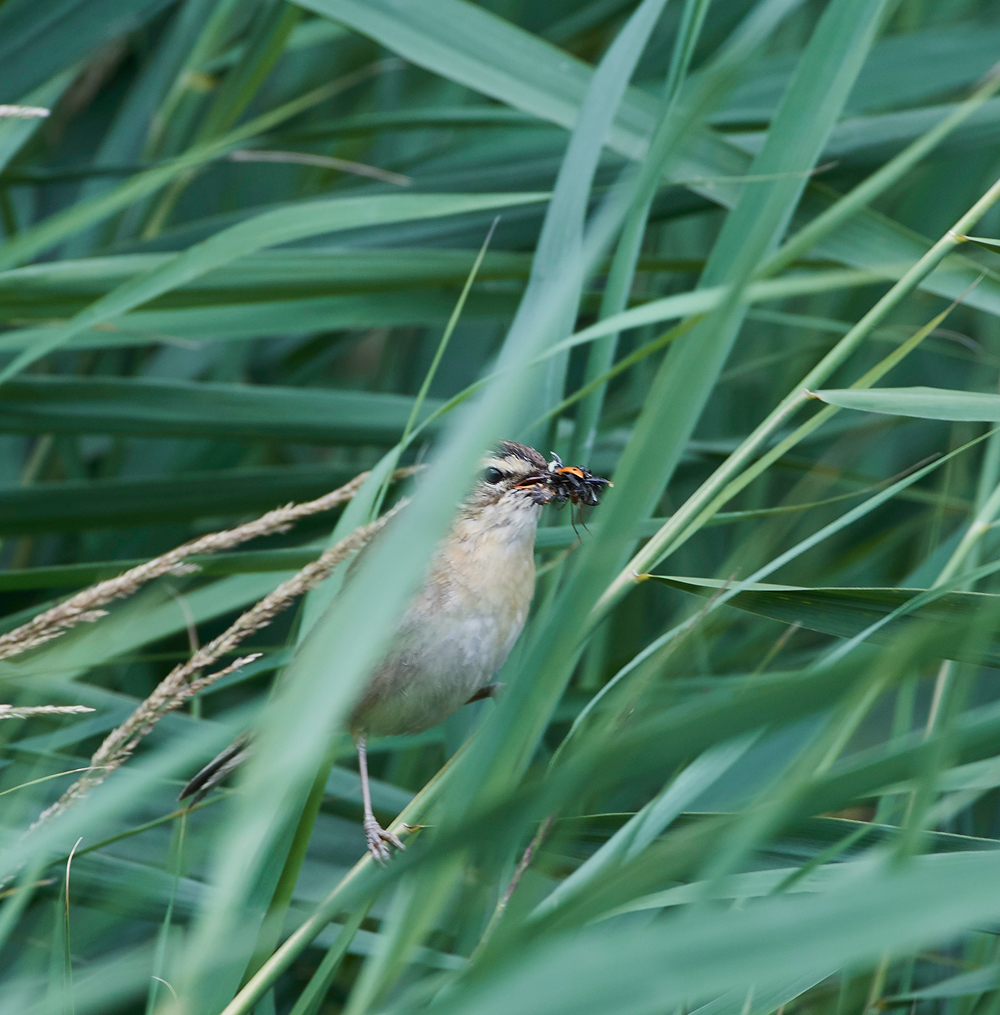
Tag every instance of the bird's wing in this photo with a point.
(217, 770)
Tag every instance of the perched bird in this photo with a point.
(462, 623)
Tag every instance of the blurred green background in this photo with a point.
(240, 264)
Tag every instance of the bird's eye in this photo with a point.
(492, 475)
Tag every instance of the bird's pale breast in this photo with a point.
(459, 629)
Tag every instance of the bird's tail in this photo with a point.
(217, 770)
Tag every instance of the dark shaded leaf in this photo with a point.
(161, 408)
(845, 612)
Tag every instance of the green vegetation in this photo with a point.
(746, 759)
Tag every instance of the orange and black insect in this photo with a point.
(561, 483)
(571, 483)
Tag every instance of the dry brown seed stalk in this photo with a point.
(323, 161)
(16, 712)
(182, 682)
(83, 607)
(23, 112)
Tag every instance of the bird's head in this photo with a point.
(502, 472)
(516, 477)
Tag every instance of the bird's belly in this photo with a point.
(455, 635)
(432, 672)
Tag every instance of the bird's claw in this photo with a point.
(379, 841)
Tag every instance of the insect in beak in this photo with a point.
(562, 483)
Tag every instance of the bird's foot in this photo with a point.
(379, 841)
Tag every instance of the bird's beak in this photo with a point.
(539, 487)
(529, 482)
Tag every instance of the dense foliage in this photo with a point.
(746, 759)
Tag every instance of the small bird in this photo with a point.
(462, 623)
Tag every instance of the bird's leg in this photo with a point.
(489, 691)
(379, 840)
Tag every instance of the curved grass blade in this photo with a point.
(920, 402)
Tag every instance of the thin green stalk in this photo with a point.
(209, 41)
(811, 763)
(842, 993)
(824, 857)
(735, 474)
(163, 939)
(417, 903)
(274, 919)
(216, 798)
(600, 382)
(316, 989)
(504, 901)
(446, 337)
(345, 893)
(902, 723)
(952, 685)
(992, 1005)
(811, 425)
(661, 545)
(66, 991)
(951, 692)
(18, 897)
(880, 181)
(664, 644)
(963, 559)
(978, 527)
(46, 778)
(602, 351)
(664, 145)
(31, 242)
(716, 295)
(262, 50)
(878, 985)
(688, 34)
